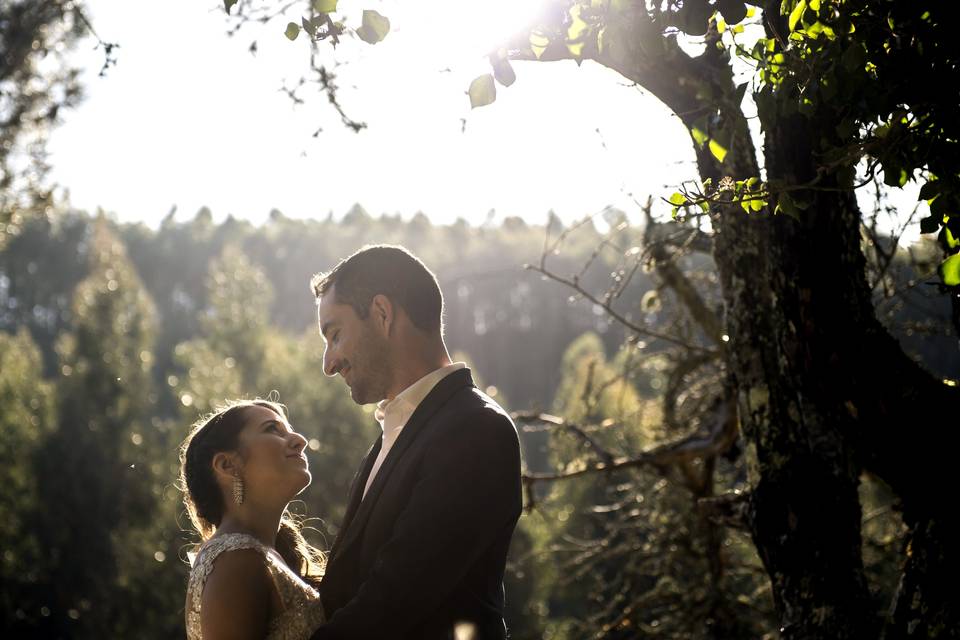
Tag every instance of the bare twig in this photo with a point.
(722, 434)
(606, 307)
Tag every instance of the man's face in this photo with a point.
(355, 349)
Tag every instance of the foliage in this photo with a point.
(25, 423)
(105, 397)
(627, 554)
(36, 82)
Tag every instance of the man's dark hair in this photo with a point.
(391, 271)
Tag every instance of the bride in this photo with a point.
(254, 575)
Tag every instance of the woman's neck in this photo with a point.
(256, 520)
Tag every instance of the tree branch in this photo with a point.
(722, 434)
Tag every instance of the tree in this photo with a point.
(27, 419)
(822, 391)
(627, 552)
(36, 82)
(93, 486)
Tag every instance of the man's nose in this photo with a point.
(331, 364)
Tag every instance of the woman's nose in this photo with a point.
(299, 442)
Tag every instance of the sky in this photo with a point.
(189, 118)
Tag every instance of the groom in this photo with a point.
(422, 548)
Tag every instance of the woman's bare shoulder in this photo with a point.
(236, 597)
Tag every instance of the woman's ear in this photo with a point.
(226, 465)
(383, 313)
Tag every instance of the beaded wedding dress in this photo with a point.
(302, 610)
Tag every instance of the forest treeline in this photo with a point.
(115, 337)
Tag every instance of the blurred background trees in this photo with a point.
(115, 337)
(37, 80)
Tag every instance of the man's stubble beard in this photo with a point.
(372, 372)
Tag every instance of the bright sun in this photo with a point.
(459, 31)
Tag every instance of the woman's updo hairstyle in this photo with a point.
(203, 498)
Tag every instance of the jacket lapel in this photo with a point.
(437, 397)
(356, 493)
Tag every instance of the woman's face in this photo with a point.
(274, 464)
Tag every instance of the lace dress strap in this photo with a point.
(203, 565)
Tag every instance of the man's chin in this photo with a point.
(358, 396)
(364, 396)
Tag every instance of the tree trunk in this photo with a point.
(823, 391)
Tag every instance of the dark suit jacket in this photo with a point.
(426, 549)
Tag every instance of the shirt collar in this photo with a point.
(406, 402)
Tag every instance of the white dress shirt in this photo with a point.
(394, 414)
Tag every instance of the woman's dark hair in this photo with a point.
(391, 271)
(204, 500)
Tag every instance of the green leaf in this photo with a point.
(796, 14)
(949, 240)
(929, 224)
(699, 136)
(786, 204)
(678, 198)
(694, 17)
(324, 6)
(228, 4)
(733, 11)
(538, 43)
(846, 175)
(847, 128)
(373, 27)
(293, 30)
(718, 150)
(854, 57)
(929, 190)
(938, 205)
(482, 91)
(503, 72)
(950, 270)
(576, 32)
(894, 176)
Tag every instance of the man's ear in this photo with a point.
(226, 465)
(383, 313)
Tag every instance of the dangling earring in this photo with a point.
(237, 490)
